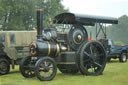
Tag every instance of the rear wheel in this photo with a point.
(4, 66)
(92, 59)
(45, 68)
(123, 57)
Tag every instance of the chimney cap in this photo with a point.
(39, 9)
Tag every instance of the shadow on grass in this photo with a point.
(113, 61)
(68, 74)
(12, 72)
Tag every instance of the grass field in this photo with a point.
(115, 74)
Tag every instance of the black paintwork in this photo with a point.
(71, 18)
(72, 36)
(66, 57)
(39, 23)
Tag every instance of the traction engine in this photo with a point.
(69, 51)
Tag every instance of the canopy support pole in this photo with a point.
(102, 28)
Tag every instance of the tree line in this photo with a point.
(116, 32)
(21, 14)
(119, 32)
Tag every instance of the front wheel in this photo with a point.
(25, 67)
(4, 66)
(123, 57)
(45, 68)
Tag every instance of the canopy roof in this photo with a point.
(71, 18)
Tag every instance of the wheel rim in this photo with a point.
(25, 68)
(46, 69)
(29, 73)
(3, 67)
(93, 58)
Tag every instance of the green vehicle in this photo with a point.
(14, 45)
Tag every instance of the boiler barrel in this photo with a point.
(48, 49)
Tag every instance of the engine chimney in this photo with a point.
(39, 23)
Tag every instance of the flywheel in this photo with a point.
(76, 36)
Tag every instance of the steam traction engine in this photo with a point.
(70, 51)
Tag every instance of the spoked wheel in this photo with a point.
(4, 66)
(45, 69)
(25, 69)
(92, 58)
(68, 69)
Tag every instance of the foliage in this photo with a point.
(116, 32)
(119, 31)
(21, 14)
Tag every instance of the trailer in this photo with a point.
(14, 45)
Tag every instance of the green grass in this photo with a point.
(115, 73)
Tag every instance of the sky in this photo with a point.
(114, 8)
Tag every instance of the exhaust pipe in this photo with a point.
(39, 23)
